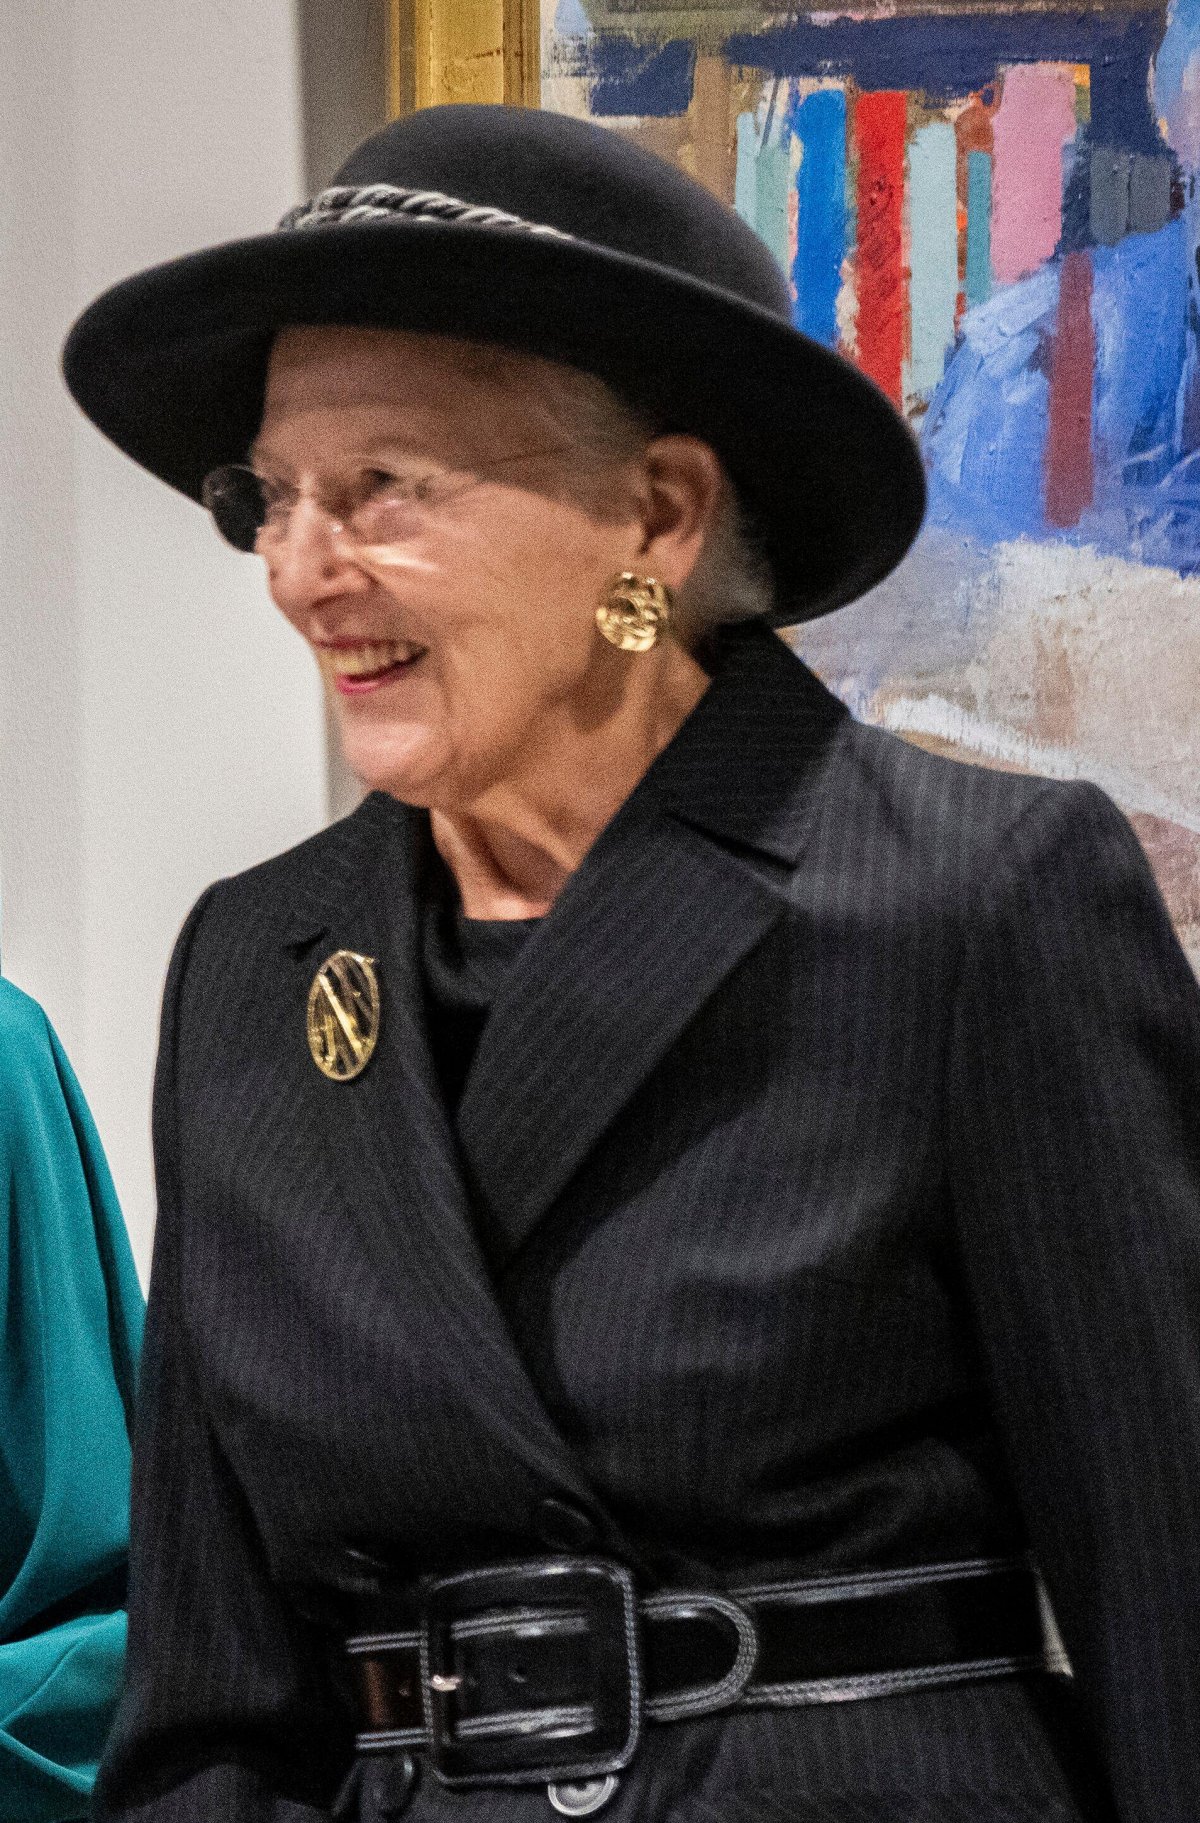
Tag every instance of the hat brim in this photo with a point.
(171, 366)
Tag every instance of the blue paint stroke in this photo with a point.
(978, 277)
(570, 20)
(819, 123)
(1148, 465)
(1139, 313)
(947, 56)
(985, 430)
(985, 433)
(1178, 50)
(1175, 71)
(653, 81)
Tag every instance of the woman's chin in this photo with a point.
(407, 766)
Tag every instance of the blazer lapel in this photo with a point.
(690, 875)
(389, 1145)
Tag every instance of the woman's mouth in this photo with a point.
(360, 668)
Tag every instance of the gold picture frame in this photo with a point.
(463, 50)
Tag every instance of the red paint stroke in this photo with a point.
(879, 124)
(1069, 469)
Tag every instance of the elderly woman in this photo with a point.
(682, 1207)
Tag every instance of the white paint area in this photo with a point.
(1045, 658)
(1089, 667)
(159, 725)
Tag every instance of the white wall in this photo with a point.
(40, 834)
(158, 725)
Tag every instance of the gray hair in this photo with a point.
(732, 579)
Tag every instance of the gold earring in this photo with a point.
(634, 612)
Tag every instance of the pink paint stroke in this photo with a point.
(1035, 120)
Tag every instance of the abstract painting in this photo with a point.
(993, 210)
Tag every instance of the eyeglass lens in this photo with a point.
(250, 511)
(235, 497)
(252, 514)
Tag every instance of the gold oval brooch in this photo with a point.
(343, 1015)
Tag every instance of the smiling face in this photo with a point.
(448, 652)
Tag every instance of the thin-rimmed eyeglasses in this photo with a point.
(374, 508)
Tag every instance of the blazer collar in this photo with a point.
(741, 767)
(387, 1138)
(685, 881)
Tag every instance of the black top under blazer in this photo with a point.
(825, 1196)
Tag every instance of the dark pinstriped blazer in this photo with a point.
(825, 1195)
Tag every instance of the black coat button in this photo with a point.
(564, 1526)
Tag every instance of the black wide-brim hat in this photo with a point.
(543, 233)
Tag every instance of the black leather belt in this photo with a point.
(545, 1671)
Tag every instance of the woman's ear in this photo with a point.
(681, 485)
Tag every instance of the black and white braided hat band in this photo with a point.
(342, 204)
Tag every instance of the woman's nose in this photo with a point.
(309, 559)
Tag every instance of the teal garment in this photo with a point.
(70, 1325)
